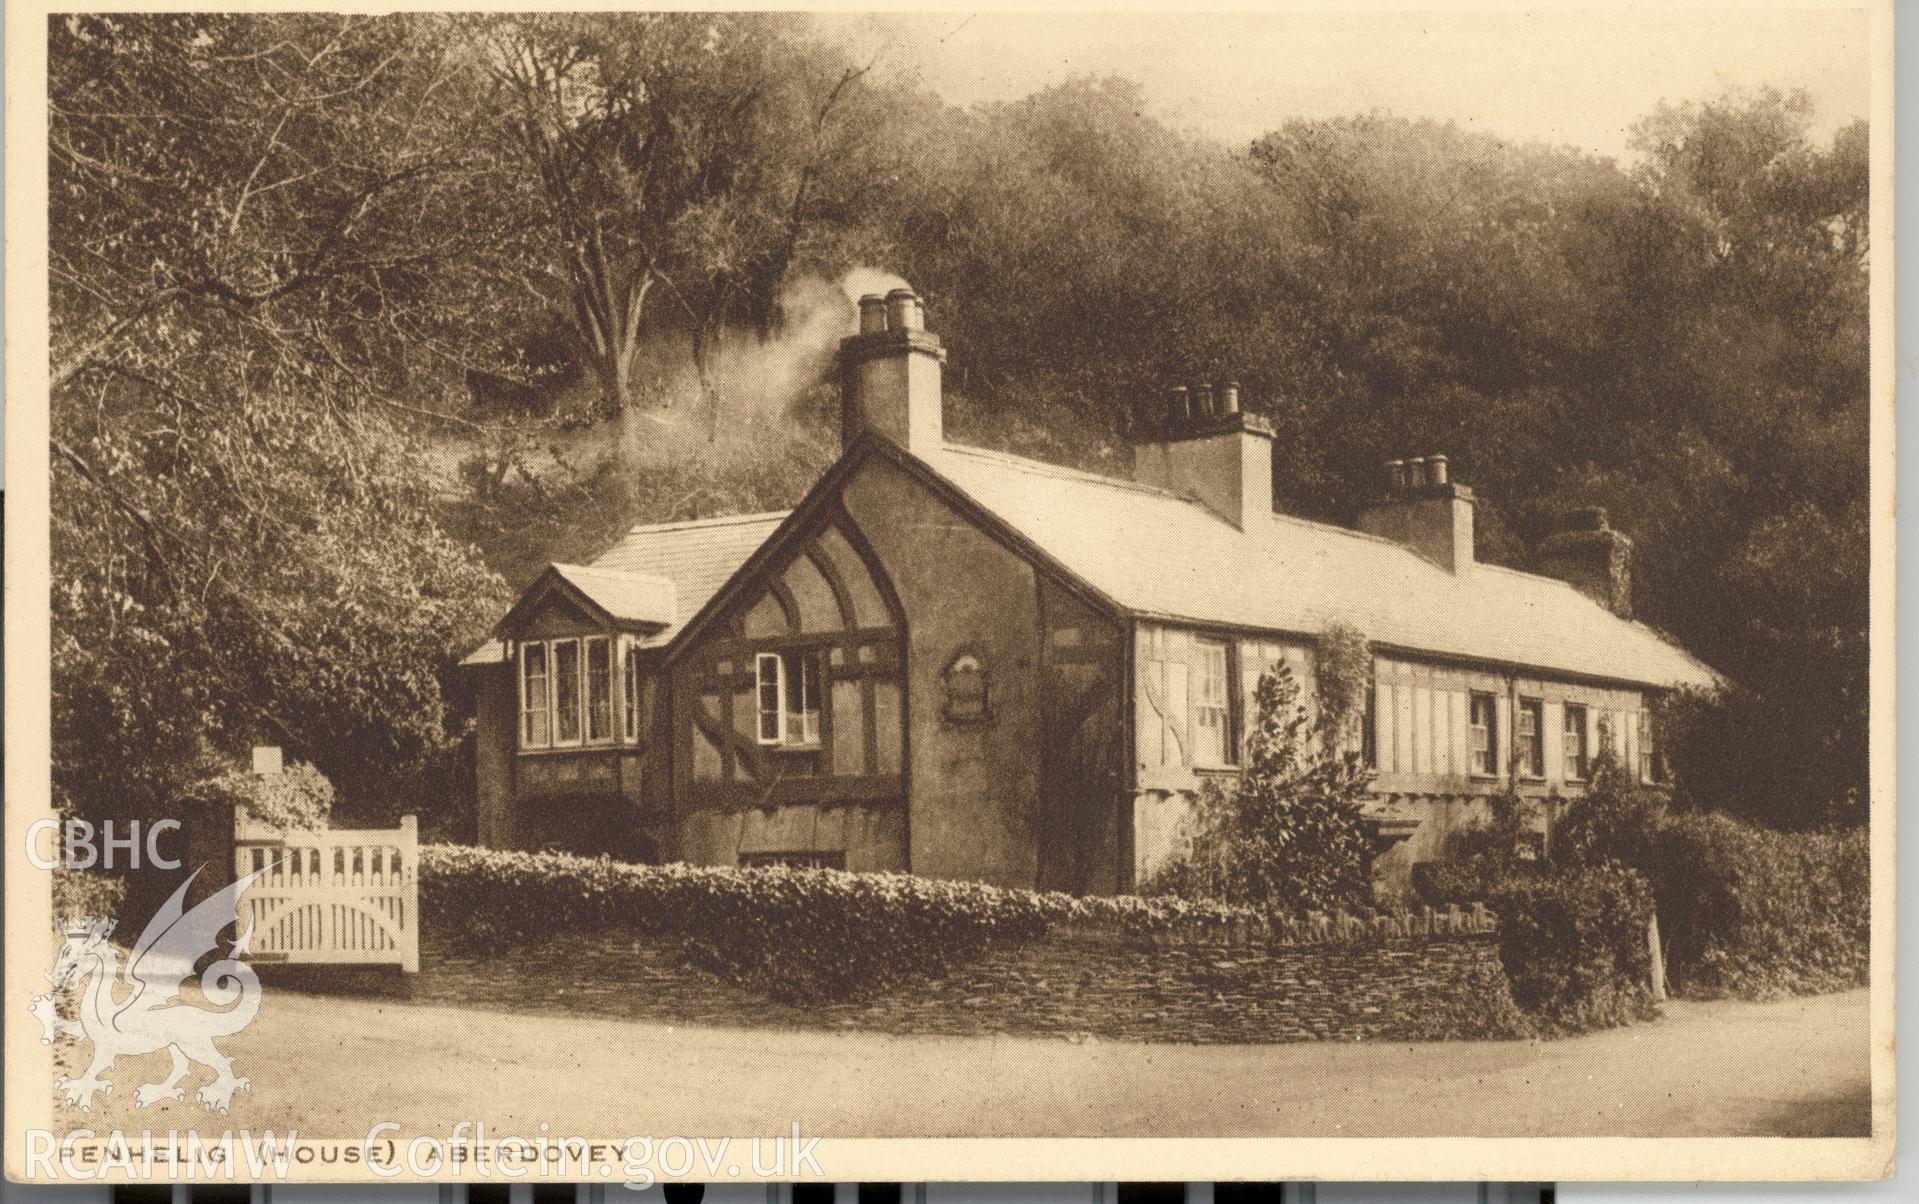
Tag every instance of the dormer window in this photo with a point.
(566, 692)
(788, 688)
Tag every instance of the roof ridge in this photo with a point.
(722, 520)
(1064, 470)
(596, 570)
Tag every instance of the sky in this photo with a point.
(1580, 78)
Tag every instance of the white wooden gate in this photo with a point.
(340, 896)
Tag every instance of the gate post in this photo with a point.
(410, 875)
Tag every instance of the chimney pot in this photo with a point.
(1178, 406)
(1203, 402)
(903, 310)
(872, 313)
(1395, 475)
(1416, 472)
(1229, 398)
(1437, 470)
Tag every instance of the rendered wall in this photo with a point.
(973, 786)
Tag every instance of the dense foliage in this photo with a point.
(303, 265)
(1285, 835)
(1753, 913)
(267, 240)
(1575, 948)
(297, 799)
(1744, 910)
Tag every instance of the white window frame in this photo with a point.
(782, 724)
(1483, 732)
(630, 692)
(1576, 757)
(762, 663)
(1533, 709)
(1212, 666)
(545, 709)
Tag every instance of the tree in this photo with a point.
(683, 155)
(1287, 835)
(269, 241)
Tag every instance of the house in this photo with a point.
(963, 663)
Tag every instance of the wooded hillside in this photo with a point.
(357, 322)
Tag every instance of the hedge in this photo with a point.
(798, 935)
(818, 935)
(1755, 913)
(79, 893)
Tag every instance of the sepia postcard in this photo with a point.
(615, 596)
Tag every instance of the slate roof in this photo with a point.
(628, 597)
(695, 558)
(1161, 555)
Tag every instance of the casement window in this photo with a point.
(1529, 750)
(536, 703)
(1578, 757)
(631, 695)
(787, 685)
(1484, 722)
(1212, 715)
(566, 692)
(1649, 768)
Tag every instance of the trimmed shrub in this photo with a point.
(1754, 913)
(797, 935)
(1574, 946)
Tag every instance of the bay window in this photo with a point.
(566, 692)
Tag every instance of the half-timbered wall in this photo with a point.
(1169, 664)
(839, 798)
(1423, 740)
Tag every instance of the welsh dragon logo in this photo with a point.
(150, 1015)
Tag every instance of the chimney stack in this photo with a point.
(1212, 451)
(890, 374)
(1594, 559)
(1424, 510)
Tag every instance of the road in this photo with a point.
(332, 1068)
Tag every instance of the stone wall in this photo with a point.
(1403, 981)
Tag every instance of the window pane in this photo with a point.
(1532, 750)
(767, 670)
(1209, 708)
(533, 699)
(1575, 767)
(566, 691)
(1645, 747)
(1482, 723)
(599, 689)
(632, 694)
(802, 698)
